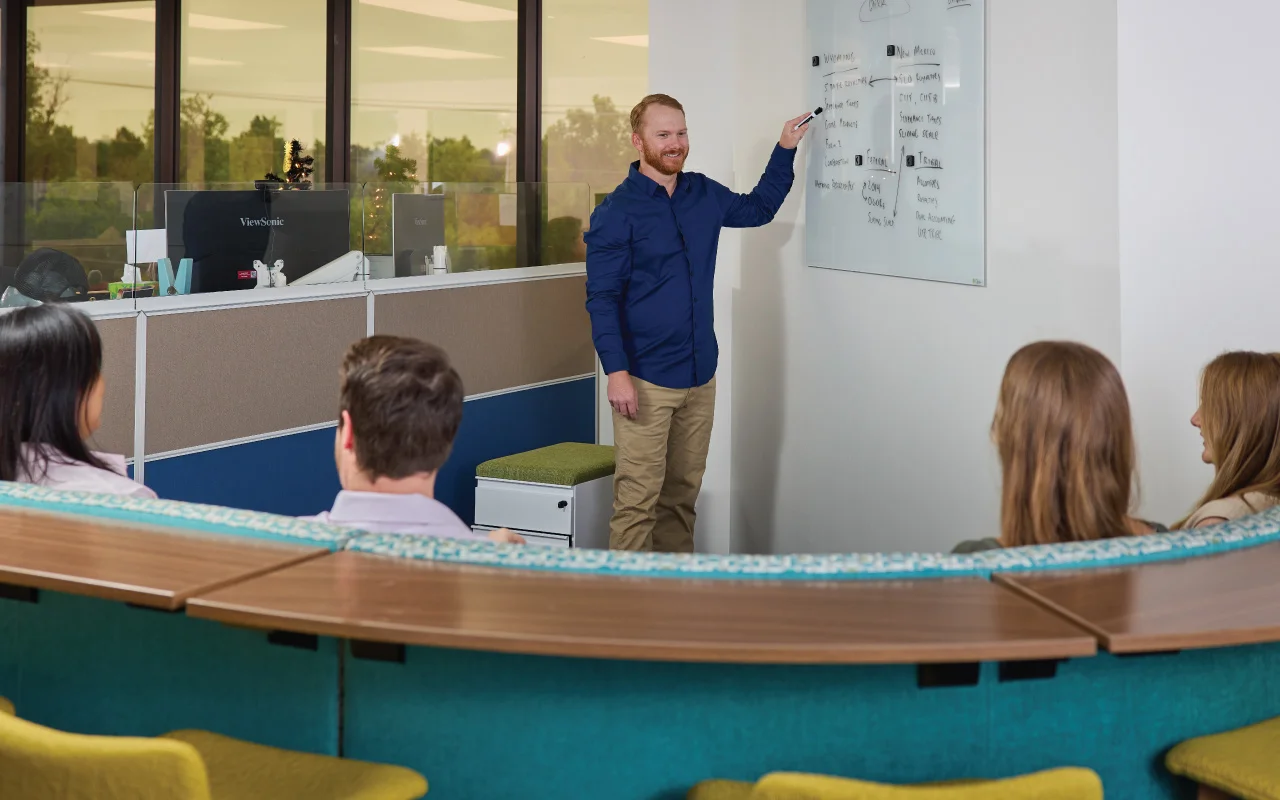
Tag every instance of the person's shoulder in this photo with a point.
(1232, 507)
(1260, 501)
(609, 219)
(976, 546)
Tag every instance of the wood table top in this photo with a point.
(1210, 601)
(375, 598)
(145, 565)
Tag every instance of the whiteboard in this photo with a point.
(896, 175)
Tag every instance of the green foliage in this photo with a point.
(392, 172)
(587, 146)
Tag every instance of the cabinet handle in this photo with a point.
(562, 504)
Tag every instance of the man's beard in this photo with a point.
(666, 166)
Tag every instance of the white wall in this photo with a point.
(687, 69)
(859, 405)
(1197, 211)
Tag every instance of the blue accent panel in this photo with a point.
(291, 475)
(513, 423)
(294, 475)
(99, 667)
(619, 729)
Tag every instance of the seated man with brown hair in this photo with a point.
(401, 406)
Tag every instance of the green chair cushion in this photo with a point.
(567, 464)
(1244, 763)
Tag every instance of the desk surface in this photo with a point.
(372, 598)
(1212, 601)
(134, 564)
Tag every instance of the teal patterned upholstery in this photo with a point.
(1246, 532)
(173, 514)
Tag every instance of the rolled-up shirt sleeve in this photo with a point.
(608, 272)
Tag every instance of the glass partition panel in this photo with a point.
(90, 91)
(250, 236)
(63, 242)
(433, 228)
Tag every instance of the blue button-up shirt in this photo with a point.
(651, 260)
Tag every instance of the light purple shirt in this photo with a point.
(81, 477)
(396, 513)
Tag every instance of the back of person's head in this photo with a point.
(1240, 421)
(404, 400)
(1066, 447)
(50, 379)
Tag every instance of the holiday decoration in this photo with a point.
(297, 168)
(394, 173)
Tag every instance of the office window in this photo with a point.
(253, 78)
(595, 67)
(90, 91)
(433, 88)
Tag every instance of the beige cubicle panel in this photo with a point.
(500, 335)
(119, 359)
(218, 375)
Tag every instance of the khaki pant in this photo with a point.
(661, 457)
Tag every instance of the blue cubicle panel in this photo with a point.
(482, 725)
(95, 666)
(295, 475)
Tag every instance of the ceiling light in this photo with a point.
(202, 21)
(129, 55)
(456, 10)
(144, 55)
(418, 51)
(197, 61)
(634, 41)
(209, 23)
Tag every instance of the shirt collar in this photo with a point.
(648, 185)
(355, 507)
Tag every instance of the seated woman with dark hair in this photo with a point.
(51, 391)
(1239, 420)
(1065, 440)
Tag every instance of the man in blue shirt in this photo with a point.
(651, 258)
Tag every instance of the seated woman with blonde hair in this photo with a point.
(1239, 420)
(1065, 441)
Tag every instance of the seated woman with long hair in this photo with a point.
(1065, 441)
(51, 391)
(1239, 420)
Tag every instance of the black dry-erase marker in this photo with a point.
(808, 119)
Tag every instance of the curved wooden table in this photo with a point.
(1210, 601)
(155, 567)
(373, 598)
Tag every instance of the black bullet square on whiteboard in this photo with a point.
(893, 51)
(911, 161)
(816, 62)
(857, 161)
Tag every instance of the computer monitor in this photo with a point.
(224, 232)
(417, 226)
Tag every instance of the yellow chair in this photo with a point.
(39, 763)
(1058, 784)
(1243, 763)
(6, 707)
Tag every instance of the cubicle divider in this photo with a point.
(231, 398)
